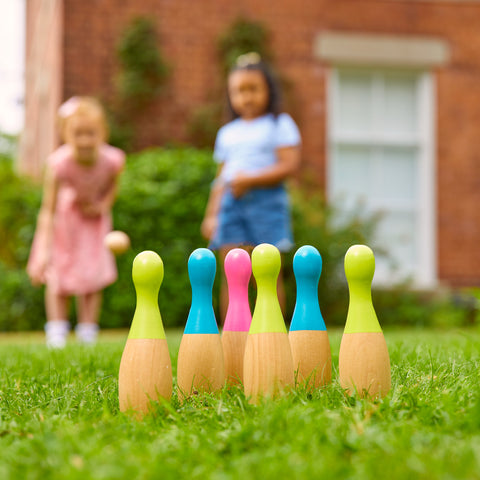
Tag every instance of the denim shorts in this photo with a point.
(262, 215)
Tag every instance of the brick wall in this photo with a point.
(189, 32)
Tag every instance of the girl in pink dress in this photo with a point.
(68, 252)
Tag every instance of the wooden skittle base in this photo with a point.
(145, 374)
(312, 358)
(200, 366)
(233, 351)
(268, 365)
(364, 364)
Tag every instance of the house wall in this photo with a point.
(189, 33)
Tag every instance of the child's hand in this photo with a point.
(209, 226)
(241, 184)
(37, 270)
(91, 209)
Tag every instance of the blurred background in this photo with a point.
(386, 95)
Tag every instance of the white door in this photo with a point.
(381, 159)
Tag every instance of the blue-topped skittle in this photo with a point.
(308, 336)
(200, 365)
(201, 270)
(307, 267)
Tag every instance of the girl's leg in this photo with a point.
(57, 326)
(88, 310)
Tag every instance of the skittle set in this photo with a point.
(255, 351)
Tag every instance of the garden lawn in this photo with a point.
(60, 419)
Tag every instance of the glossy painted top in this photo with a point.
(307, 267)
(359, 270)
(147, 276)
(202, 267)
(238, 270)
(267, 315)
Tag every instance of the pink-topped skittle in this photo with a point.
(238, 270)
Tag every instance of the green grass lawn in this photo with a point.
(60, 419)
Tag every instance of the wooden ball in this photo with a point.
(117, 242)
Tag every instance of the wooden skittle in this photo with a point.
(233, 344)
(364, 363)
(200, 366)
(204, 370)
(268, 363)
(145, 368)
(312, 358)
(238, 269)
(141, 380)
(308, 336)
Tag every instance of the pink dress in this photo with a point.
(80, 263)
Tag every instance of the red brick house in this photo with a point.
(387, 98)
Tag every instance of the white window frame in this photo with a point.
(425, 275)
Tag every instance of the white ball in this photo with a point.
(117, 242)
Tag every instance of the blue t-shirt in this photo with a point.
(249, 145)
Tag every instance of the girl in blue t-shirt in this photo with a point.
(256, 151)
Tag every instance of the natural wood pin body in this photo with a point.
(312, 358)
(200, 366)
(364, 364)
(234, 351)
(268, 365)
(145, 374)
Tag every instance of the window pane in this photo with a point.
(351, 176)
(354, 106)
(399, 112)
(396, 176)
(397, 234)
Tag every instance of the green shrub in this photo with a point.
(161, 203)
(204, 123)
(243, 36)
(143, 71)
(21, 305)
(142, 77)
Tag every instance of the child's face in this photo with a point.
(85, 134)
(248, 92)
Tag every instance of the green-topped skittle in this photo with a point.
(359, 270)
(268, 362)
(363, 360)
(145, 368)
(147, 276)
(267, 315)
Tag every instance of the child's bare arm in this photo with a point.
(110, 196)
(105, 204)
(44, 230)
(288, 162)
(209, 223)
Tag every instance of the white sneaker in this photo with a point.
(87, 332)
(56, 333)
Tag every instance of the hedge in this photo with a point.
(161, 202)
